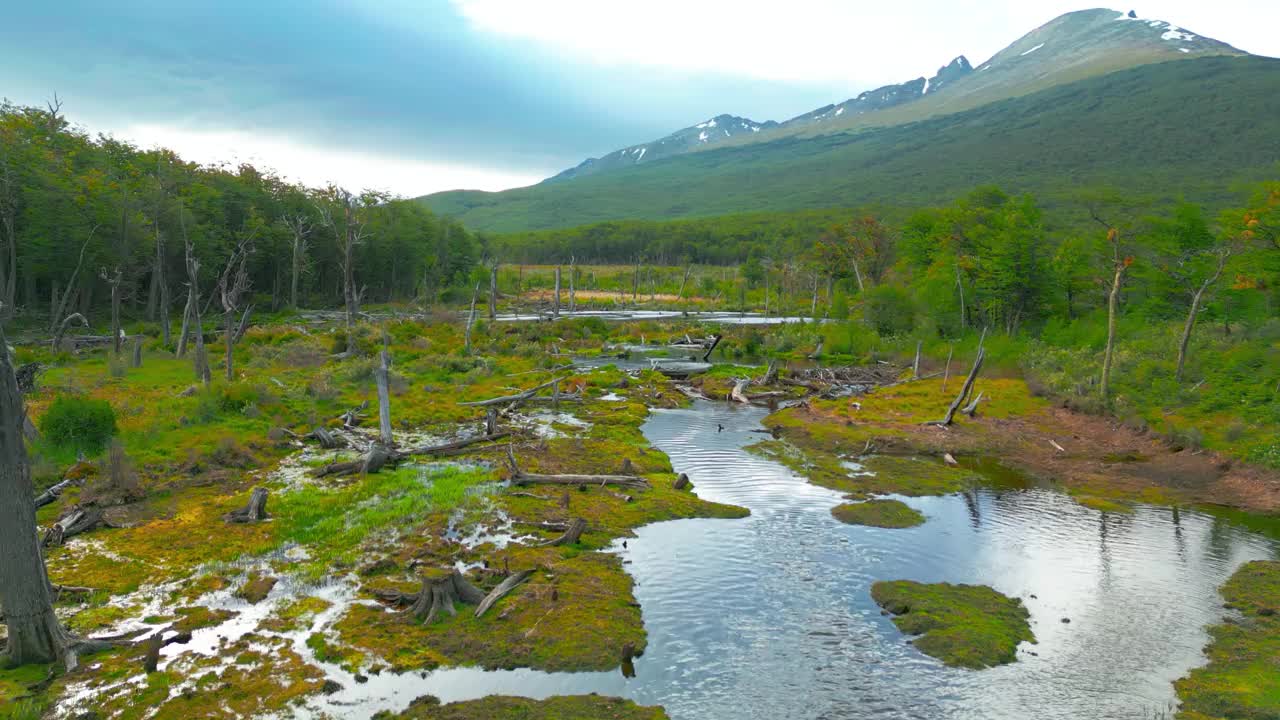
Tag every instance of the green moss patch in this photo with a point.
(968, 626)
(497, 707)
(879, 513)
(1242, 679)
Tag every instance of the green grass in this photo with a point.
(1242, 679)
(879, 513)
(968, 626)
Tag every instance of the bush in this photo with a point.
(890, 310)
(79, 422)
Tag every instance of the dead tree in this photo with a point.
(58, 321)
(61, 328)
(471, 321)
(34, 633)
(159, 283)
(348, 234)
(381, 376)
(520, 477)
(76, 521)
(254, 511)
(113, 280)
(571, 535)
(231, 288)
(966, 389)
(1222, 254)
(555, 302)
(501, 591)
(688, 268)
(137, 353)
(915, 366)
(493, 291)
(201, 358)
(299, 226)
(738, 393)
(573, 299)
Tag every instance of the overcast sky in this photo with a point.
(416, 96)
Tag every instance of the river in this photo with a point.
(770, 616)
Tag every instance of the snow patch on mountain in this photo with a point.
(1033, 49)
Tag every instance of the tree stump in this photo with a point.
(570, 536)
(254, 511)
(440, 590)
(681, 482)
(78, 520)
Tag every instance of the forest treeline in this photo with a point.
(94, 225)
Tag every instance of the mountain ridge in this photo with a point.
(1080, 44)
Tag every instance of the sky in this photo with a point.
(419, 96)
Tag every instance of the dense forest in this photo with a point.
(93, 225)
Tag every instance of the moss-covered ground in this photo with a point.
(968, 626)
(882, 513)
(1242, 678)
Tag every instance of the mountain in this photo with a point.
(710, 133)
(1067, 51)
(1190, 127)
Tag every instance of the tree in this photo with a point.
(231, 287)
(35, 636)
(299, 226)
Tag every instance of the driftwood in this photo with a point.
(501, 591)
(254, 511)
(78, 520)
(737, 393)
(570, 536)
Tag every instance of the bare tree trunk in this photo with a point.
(964, 316)
(493, 292)
(1112, 303)
(1193, 310)
(683, 281)
(34, 633)
(161, 286)
(813, 307)
(555, 303)
(61, 311)
(295, 271)
(186, 329)
(384, 401)
(471, 320)
(857, 274)
(915, 366)
(635, 283)
(201, 360)
(573, 299)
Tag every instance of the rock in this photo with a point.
(1066, 620)
(330, 687)
(362, 679)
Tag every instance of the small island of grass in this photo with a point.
(879, 513)
(495, 707)
(968, 626)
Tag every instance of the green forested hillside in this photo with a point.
(1194, 128)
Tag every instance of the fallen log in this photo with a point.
(570, 536)
(628, 481)
(737, 393)
(75, 522)
(355, 415)
(517, 398)
(715, 340)
(54, 492)
(447, 448)
(254, 511)
(501, 591)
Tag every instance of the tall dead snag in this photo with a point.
(159, 284)
(231, 287)
(1222, 254)
(915, 366)
(137, 353)
(113, 280)
(299, 226)
(555, 302)
(34, 633)
(573, 299)
(381, 376)
(966, 389)
(493, 291)
(688, 268)
(200, 361)
(59, 320)
(253, 511)
(1119, 265)
(471, 321)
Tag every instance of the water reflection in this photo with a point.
(770, 616)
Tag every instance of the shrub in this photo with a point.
(79, 422)
(890, 310)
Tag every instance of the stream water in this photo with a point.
(770, 616)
